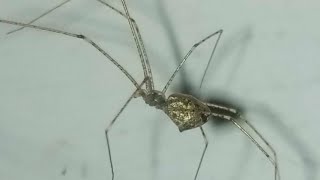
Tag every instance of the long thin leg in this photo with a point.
(114, 120)
(232, 110)
(139, 44)
(210, 59)
(42, 15)
(276, 167)
(138, 41)
(273, 161)
(188, 54)
(203, 153)
(79, 36)
(136, 34)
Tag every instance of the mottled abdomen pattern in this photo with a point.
(186, 111)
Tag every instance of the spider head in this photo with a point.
(155, 98)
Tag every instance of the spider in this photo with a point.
(186, 111)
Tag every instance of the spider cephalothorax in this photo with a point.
(154, 98)
(186, 111)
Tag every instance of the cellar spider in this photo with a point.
(185, 110)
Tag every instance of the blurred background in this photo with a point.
(58, 94)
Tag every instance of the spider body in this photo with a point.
(186, 111)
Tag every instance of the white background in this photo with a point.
(57, 94)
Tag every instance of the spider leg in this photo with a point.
(224, 108)
(276, 166)
(136, 34)
(79, 36)
(138, 41)
(42, 15)
(189, 53)
(272, 160)
(114, 120)
(203, 152)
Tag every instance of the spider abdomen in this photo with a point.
(186, 111)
